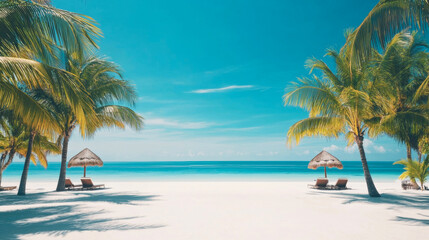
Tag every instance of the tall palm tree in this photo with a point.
(404, 66)
(339, 103)
(103, 82)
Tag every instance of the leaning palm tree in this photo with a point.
(415, 170)
(103, 82)
(339, 103)
(404, 66)
(36, 135)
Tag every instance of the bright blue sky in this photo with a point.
(211, 76)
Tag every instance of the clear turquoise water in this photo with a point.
(208, 171)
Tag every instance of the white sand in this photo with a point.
(214, 210)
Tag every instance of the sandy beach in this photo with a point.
(214, 210)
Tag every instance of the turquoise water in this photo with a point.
(209, 171)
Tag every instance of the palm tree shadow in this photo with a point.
(421, 221)
(59, 220)
(393, 201)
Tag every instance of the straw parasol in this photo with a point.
(85, 158)
(325, 159)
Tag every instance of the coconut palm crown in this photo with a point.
(404, 66)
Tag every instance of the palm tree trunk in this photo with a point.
(23, 183)
(408, 151)
(409, 157)
(9, 160)
(372, 190)
(4, 166)
(420, 155)
(62, 178)
(3, 157)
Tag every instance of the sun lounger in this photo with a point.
(69, 185)
(406, 184)
(7, 188)
(341, 184)
(321, 183)
(87, 184)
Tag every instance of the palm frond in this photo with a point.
(386, 19)
(313, 95)
(40, 26)
(315, 126)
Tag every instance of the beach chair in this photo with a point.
(7, 188)
(87, 184)
(406, 184)
(321, 183)
(341, 184)
(69, 185)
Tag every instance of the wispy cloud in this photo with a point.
(379, 149)
(163, 122)
(223, 89)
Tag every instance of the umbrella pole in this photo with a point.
(326, 176)
(84, 171)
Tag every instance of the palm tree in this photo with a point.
(404, 66)
(386, 19)
(103, 82)
(339, 103)
(415, 170)
(37, 142)
(14, 141)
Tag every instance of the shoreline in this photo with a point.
(236, 178)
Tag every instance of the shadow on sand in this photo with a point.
(411, 201)
(65, 217)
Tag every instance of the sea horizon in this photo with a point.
(383, 171)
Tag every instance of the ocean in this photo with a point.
(208, 171)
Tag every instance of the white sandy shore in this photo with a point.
(214, 210)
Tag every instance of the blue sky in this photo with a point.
(211, 75)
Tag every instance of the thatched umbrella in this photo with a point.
(85, 158)
(325, 159)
